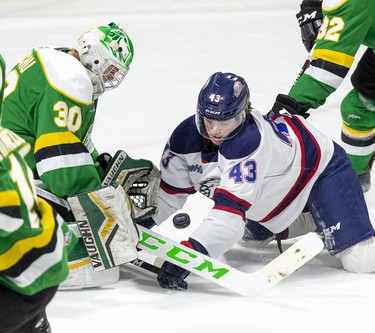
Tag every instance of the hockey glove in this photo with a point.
(289, 104)
(309, 20)
(172, 276)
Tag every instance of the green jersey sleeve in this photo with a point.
(33, 240)
(49, 103)
(2, 80)
(347, 24)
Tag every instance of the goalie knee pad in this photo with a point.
(359, 258)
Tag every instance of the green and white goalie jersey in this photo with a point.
(49, 102)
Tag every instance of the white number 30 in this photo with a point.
(71, 118)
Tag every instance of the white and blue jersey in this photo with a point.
(265, 173)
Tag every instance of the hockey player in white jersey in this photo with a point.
(259, 170)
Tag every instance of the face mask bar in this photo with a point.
(111, 74)
(98, 60)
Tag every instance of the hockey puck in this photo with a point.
(181, 221)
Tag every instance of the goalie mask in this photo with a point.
(222, 105)
(106, 52)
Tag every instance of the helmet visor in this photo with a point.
(219, 130)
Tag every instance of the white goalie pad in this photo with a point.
(140, 180)
(106, 226)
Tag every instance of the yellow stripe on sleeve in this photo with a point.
(54, 139)
(357, 133)
(9, 198)
(337, 58)
(23, 246)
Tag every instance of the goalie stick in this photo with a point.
(246, 284)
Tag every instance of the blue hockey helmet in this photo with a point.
(223, 97)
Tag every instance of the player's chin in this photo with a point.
(216, 141)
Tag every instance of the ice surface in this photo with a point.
(178, 44)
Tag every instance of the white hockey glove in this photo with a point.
(140, 180)
(106, 226)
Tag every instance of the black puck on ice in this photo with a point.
(181, 221)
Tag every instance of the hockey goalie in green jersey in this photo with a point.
(338, 28)
(34, 241)
(50, 101)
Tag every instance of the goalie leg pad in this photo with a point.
(106, 226)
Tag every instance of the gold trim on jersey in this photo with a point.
(352, 133)
(329, 5)
(335, 57)
(14, 254)
(54, 139)
(9, 198)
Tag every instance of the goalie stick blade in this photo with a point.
(246, 284)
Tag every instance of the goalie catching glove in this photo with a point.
(140, 180)
(106, 226)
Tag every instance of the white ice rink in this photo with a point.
(178, 45)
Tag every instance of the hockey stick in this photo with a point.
(306, 64)
(246, 284)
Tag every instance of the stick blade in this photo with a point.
(293, 258)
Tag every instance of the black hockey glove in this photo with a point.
(289, 104)
(172, 276)
(309, 20)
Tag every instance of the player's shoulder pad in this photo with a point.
(66, 74)
(328, 5)
(186, 139)
(244, 143)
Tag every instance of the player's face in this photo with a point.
(218, 131)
